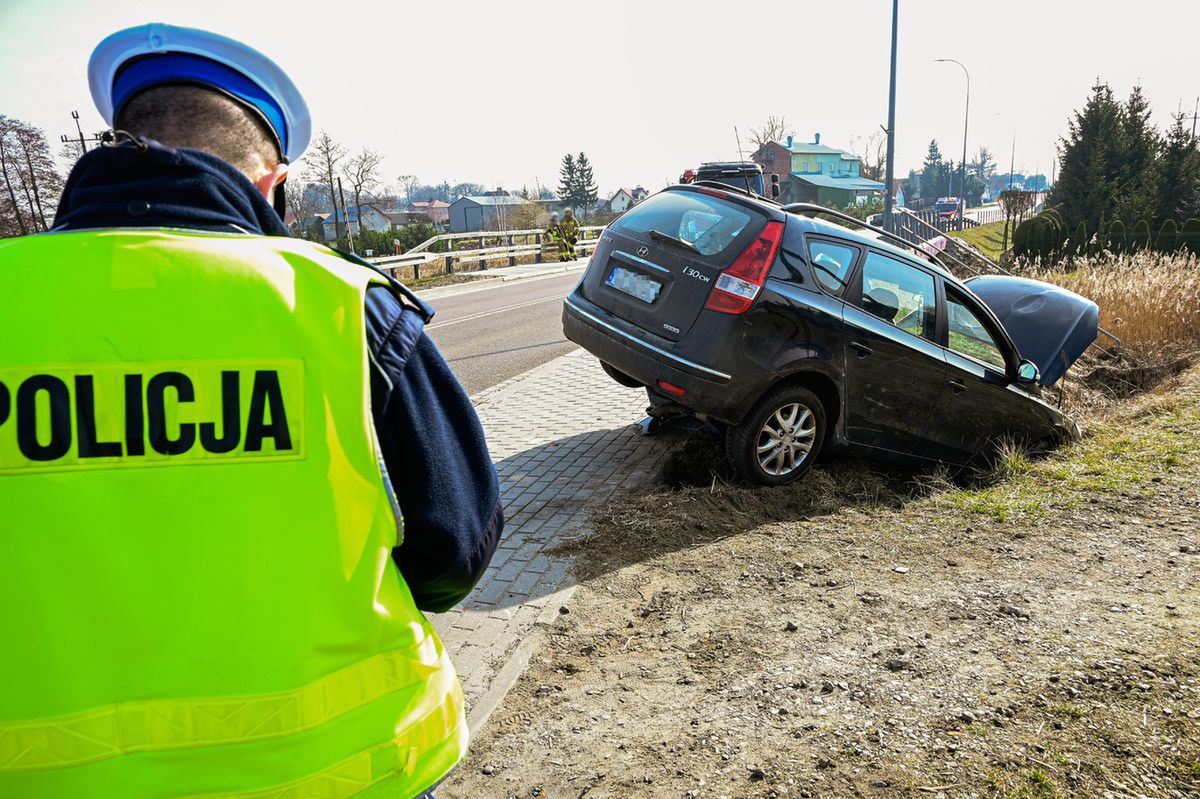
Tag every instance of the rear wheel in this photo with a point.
(621, 377)
(779, 439)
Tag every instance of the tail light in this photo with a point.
(738, 286)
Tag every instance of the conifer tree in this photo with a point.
(568, 178)
(1168, 236)
(1116, 236)
(1140, 239)
(587, 191)
(1090, 180)
(1189, 236)
(1178, 190)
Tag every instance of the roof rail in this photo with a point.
(716, 184)
(810, 210)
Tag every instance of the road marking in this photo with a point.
(482, 314)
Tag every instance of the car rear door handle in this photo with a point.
(862, 349)
(958, 386)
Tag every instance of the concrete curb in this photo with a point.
(514, 667)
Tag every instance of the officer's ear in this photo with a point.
(267, 183)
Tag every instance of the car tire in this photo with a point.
(793, 420)
(621, 377)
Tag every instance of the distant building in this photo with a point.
(639, 194)
(406, 218)
(372, 219)
(620, 202)
(484, 212)
(816, 173)
(438, 211)
(775, 158)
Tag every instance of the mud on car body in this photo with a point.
(796, 334)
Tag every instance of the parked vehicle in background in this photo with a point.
(947, 208)
(795, 334)
(743, 175)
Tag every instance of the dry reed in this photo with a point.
(1146, 299)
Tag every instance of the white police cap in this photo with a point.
(137, 58)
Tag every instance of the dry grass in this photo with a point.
(1146, 299)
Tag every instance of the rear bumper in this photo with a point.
(709, 390)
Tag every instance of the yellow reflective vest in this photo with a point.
(196, 531)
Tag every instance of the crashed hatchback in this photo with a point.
(796, 335)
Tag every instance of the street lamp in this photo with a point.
(962, 182)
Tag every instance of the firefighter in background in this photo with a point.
(569, 230)
(552, 240)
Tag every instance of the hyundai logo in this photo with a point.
(642, 251)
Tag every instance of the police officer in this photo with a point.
(233, 469)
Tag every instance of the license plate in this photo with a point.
(633, 284)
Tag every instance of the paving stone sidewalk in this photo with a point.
(562, 437)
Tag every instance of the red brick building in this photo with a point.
(775, 157)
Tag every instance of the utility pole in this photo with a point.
(889, 171)
(67, 138)
(1195, 116)
(346, 213)
(1012, 161)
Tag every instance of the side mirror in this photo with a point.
(1027, 373)
(774, 186)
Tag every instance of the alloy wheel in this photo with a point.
(786, 439)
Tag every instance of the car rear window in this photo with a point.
(707, 223)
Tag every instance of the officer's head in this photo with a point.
(553, 217)
(203, 118)
(569, 213)
(191, 88)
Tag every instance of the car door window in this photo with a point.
(968, 335)
(900, 294)
(831, 264)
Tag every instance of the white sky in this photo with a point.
(495, 92)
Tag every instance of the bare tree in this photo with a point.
(9, 171)
(326, 158)
(1015, 204)
(408, 184)
(775, 129)
(362, 173)
(300, 202)
(872, 154)
(39, 173)
(31, 181)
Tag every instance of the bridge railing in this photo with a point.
(506, 245)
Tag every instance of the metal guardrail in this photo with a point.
(537, 243)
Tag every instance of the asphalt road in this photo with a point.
(491, 333)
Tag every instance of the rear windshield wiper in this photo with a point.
(658, 235)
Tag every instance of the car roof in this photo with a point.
(824, 228)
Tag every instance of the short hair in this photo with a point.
(201, 118)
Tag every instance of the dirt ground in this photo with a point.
(1033, 634)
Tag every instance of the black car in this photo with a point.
(797, 334)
